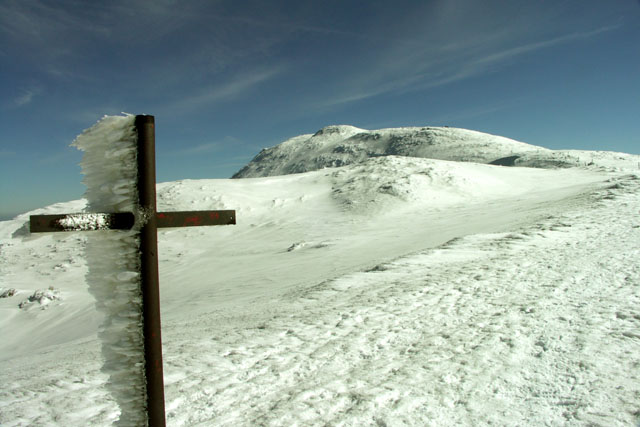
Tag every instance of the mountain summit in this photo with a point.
(335, 146)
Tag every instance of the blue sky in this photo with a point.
(227, 78)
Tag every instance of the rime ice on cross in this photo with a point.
(145, 220)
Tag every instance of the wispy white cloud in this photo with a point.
(39, 22)
(479, 65)
(239, 86)
(402, 72)
(56, 37)
(25, 98)
(202, 148)
(530, 47)
(36, 23)
(417, 47)
(206, 147)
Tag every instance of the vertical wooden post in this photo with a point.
(145, 126)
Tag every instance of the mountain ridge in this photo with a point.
(341, 145)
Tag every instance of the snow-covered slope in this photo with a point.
(335, 146)
(392, 291)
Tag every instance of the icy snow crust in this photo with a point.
(86, 222)
(110, 174)
(335, 146)
(394, 291)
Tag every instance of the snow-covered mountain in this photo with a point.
(335, 146)
(392, 290)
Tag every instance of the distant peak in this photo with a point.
(338, 129)
(341, 145)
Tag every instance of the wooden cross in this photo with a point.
(145, 126)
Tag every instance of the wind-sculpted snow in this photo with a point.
(110, 174)
(336, 146)
(533, 325)
(391, 182)
(537, 326)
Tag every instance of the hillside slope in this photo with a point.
(397, 290)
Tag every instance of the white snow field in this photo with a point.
(391, 291)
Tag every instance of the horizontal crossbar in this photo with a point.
(81, 222)
(126, 220)
(195, 218)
